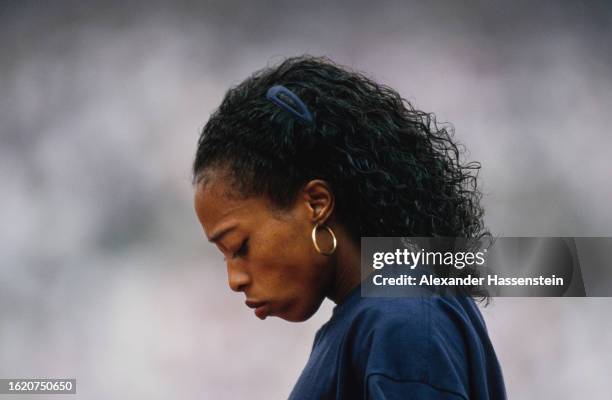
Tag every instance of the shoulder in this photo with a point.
(418, 339)
(414, 317)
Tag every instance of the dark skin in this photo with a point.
(269, 252)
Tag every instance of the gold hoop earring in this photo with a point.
(314, 240)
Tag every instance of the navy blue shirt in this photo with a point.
(428, 347)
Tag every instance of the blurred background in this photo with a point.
(105, 274)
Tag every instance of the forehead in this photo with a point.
(217, 208)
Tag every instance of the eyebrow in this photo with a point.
(217, 235)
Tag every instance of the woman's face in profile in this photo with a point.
(268, 253)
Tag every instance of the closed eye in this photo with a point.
(241, 252)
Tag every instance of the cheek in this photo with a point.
(302, 261)
(289, 267)
(296, 280)
(304, 281)
(290, 264)
(286, 263)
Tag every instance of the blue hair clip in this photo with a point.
(289, 101)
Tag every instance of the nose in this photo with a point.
(237, 277)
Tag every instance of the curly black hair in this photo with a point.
(394, 171)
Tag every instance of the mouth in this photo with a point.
(262, 308)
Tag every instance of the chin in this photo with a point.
(300, 314)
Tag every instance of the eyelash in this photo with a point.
(241, 251)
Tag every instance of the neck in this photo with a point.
(348, 269)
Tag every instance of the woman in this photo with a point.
(297, 164)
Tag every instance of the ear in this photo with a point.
(320, 200)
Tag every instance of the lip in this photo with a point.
(262, 308)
